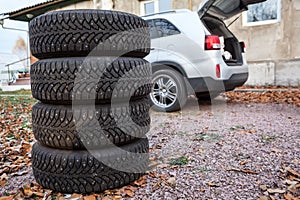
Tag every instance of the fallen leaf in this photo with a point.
(106, 198)
(247, 171)
(7, 198)
(273, 191)
(153, 175)
(27, 192)
(3, 179)
(129, 193)
(288, 196)
(118, 197)
(4, 170)
(90, 197)
(19, 173)
(172, 181)
(20, 195)
(252, 131)
(293, 172)
(263, 187)
(163, 176)
(39, 194)
(243, 162)
(75, 196)
(242, 132)
(141, 182)
(211, 184)
(263, 198)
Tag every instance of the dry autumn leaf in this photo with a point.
(247, 171)
(141, 182)
(211, 184)
(90, 197)
(129, 193)
(7, 198)
(288, 196)
(293, 172)
(273, 191)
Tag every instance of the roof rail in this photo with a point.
(160, 13)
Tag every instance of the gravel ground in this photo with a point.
(216, 151)
(216, 140)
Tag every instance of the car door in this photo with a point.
(224, 9)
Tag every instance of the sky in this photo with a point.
(9, 37)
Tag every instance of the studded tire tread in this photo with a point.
(76, 33)
(68, 171)
(62, 80)
(90, 127)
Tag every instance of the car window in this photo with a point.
(162, 28)
(153, 31)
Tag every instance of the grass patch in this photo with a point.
(18, 92)
(268, 138)
(204, 169)
(183, 160)
(234, 128)
(207, 137)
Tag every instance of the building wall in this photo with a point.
(272, 51)
(80, 5)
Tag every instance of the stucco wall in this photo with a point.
(80, 5)
(131, 6)
(272, 50)
(271, 41)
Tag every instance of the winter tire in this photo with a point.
(76, 33)
(90, 127)
(70, 172)
(61, 80)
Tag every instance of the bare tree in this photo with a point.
(20, 49)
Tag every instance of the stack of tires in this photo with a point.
(92, 83)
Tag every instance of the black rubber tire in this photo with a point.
(76, 33)
(61, 80)
(206, 96)
(70, 172)
(181, 90)
(90, 127)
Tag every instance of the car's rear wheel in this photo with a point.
(168, 91)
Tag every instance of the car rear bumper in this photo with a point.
(207, 84)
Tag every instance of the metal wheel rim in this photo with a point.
(164, 91)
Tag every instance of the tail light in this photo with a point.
(243, 46)
(212, 42)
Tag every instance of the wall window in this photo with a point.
(155, 6)
(263, 13)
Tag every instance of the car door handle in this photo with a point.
(151, 49)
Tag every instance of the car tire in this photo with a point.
(84, 171)
(63, 80)
(165, 97)
(77, 33)
(90, 127)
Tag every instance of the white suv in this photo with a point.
(195, 53)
